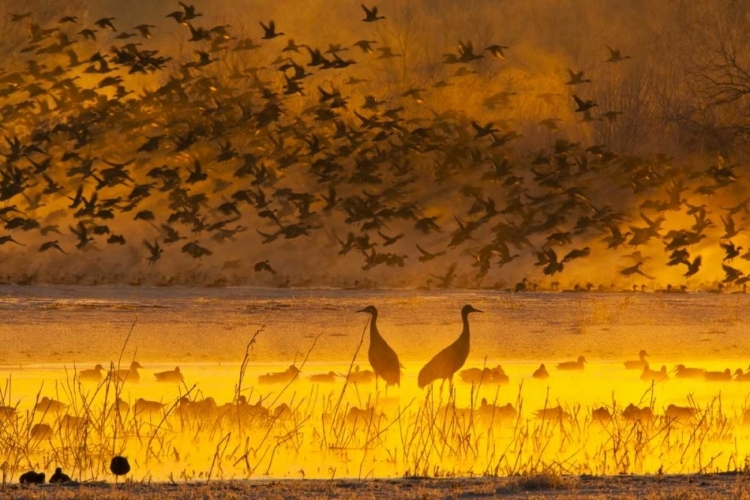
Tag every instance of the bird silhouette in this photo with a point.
(541, 372)
(172, 376)
(119, 466)
(269, 31)
(382, 357)
(130, 374)
(32, 477)
(59, 476)
(615, 55)
(572, 365)
(638, 364)
(94, 375)
(371, 14)
(448, 361)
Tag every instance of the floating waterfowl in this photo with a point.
(361, 377)
(601, 415)
(129, 375)
(40, 432)
(143, 407)
(490, 412)
(47, 405)
(634, 414)
(484, 376)
(555, 413)
(638, 364)
(680, 413)
(71, 423)
(572, 365)
(724, 376)
(650, 375)
(279, 377)
(540, 373)
(681, 371)
(94, 375)
(170, 376)
(362, 415)
(323, 378)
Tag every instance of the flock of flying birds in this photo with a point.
(220, 152)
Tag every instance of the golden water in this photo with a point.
(50, 333)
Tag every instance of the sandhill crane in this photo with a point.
(383, 358)
(452, 358)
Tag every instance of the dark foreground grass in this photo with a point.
(684, 487)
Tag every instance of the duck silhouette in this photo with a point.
(170, 376)
(572, 365)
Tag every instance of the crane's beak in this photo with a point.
(477, 311)
(362, 310)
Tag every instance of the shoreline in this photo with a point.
(698, 486)
(502, 289)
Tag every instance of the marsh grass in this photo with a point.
(351, 430)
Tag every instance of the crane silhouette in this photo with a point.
(451, 359)
(383, 358)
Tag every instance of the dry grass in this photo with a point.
(430, 436)
(542, 486)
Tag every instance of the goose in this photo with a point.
(47, 405)
(131, 374)
(681, 371)
(323, 378)
(553, 413)
(59, 476)
(615, 55)
(32, 477)
(119, 466)
(172, 376)
(486, 375)
(541, 372)
(279, 377)
(364, 415)
(489, 412)
(361, 377)
(740, 376)
(40, 432)
(638, 364)
(145, 407)
(601, 415)
(371, 14)
(572, 365)
(634, 414)
(724, 376)
(269, 32)
(650, 375)
(93, 375)
(681, 413)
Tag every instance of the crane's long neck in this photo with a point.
(465, 332)
(374, 333)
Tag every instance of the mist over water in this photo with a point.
(53, 325)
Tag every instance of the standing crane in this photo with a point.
(383, 358)
(451, 359)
